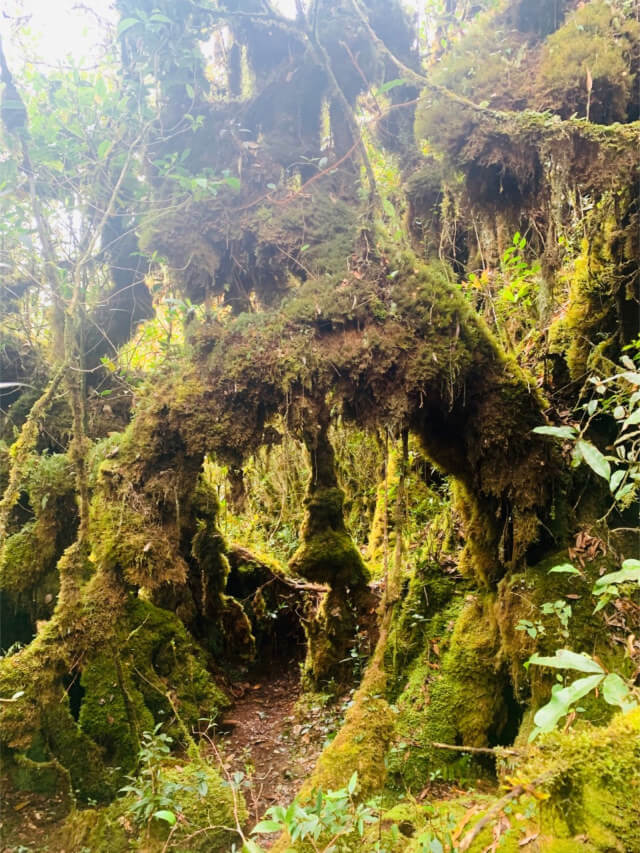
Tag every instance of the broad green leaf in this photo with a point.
(630, 571)
(547, 717)
(594, 459)
(564, 569)
(267, 826)
(556, 432)
(166, 815)
(190, 90)
(126, 24)
(616, 478)
(157, 18)
(232, 182)
(103, 148)
(616, 692)
(565, 659)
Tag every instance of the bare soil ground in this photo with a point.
(273, 739)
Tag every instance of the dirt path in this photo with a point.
(271, 742)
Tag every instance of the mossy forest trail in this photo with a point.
(272, 738)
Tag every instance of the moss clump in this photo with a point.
(599, 280)
(327, 553)
(592, 777)
(522, 596)
(28, 556)
(599, 41)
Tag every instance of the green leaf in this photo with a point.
(233, 182)
(564, 569)
(103, 148)
(351, 787)
(267, 826)
(250, 846)
(190, 90)
(565, 659)
(547, 717)
(594, 459)
(157, 18)
(616, 692)
(634, 418)
(557, 432)
(126, 24)
(165, 814)
(616, 478)
(630, 571)
(389, 209)
(391, 84)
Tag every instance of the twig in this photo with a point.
(513, 794)
(478, 750)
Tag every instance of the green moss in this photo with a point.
(455, 694)
(113, 712)
(78, 754)
(592, 777)
(127, 686)
(133, 543)
(26, 556)
(598, 283)
(597, 40)
(41, 777)
(521, 597)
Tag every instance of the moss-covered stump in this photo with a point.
(206, 807)
(592, 778)
(146, 670)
